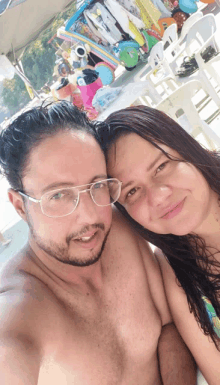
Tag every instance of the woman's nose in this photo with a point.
(157, 195)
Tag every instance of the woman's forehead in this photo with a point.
(133, 145)
(129, 152)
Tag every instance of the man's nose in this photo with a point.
(158, 194)
(87, 210)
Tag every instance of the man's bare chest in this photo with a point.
(105, 340)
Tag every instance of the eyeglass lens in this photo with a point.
(63, 202)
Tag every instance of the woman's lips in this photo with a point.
(174, 211)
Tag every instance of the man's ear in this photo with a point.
(16, 199)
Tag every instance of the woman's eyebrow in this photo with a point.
(126, 185)
(151, 165)
(160, 155)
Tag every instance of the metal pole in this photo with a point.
(20, 72)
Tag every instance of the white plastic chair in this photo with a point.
(170, 35)
(201, 35)
(171, 42)
(174, 50)
(158, 71)
(181, 101)
(189, 23)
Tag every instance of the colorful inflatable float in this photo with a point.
(123, 31)
(114, 33)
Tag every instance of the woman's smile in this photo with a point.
(174, 210)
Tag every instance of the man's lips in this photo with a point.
(173, 210)
(85, 236)
(88, 240)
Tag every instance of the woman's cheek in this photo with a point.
(140, 213)
(186, 173)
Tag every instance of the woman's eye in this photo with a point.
(131, 192)
(161, 167)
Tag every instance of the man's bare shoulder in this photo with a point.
(121, 229)
(137, 250)
(124, 234)
(22, 333)
(167, 271)
(17, 275)
(125, 237)
(118, 219)
(25, 303)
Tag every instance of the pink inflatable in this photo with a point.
(88, 92)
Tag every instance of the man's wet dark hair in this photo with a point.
(29, 129)
(190, 258)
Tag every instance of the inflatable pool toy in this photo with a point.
(164, 23)
(128, 53)
(150, 40)
(106, 73)
(188, 6)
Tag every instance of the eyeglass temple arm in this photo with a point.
(27, 196)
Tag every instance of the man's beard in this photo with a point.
(61, 253)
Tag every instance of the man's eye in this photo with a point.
(161, 167)
(64, 194)
(99, 185)
(57, 196)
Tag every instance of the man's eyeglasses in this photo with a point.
(62, 202)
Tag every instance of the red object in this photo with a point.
(53, 37)
(155, 34)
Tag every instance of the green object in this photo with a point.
(129, 55)
(212, 315)
(151, 40)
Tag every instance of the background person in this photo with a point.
(170, 192)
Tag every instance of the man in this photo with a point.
(83, 302)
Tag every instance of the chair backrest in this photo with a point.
(156, 55)
(182, 95)
(189, 22)
(202, 30)
(170, 35)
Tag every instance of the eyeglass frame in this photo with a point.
(79, 192)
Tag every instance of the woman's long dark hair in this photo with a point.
(192, 261)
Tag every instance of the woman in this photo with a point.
(170, 192)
